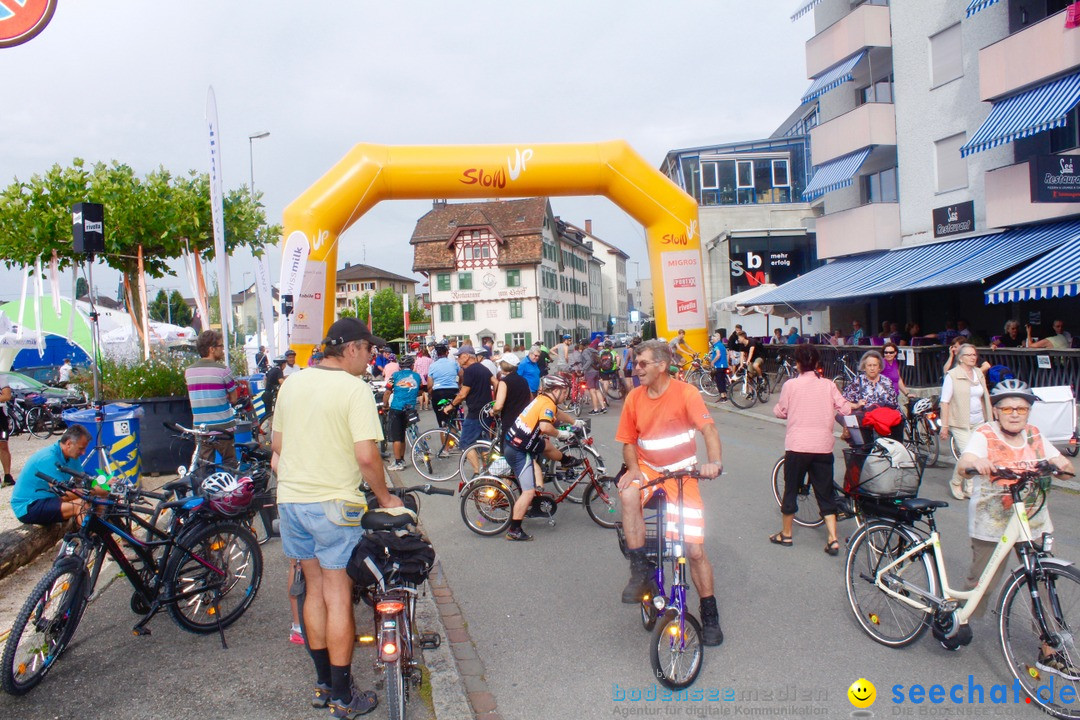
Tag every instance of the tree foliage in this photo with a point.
(158, 212)
(387, 319)
(170, 308)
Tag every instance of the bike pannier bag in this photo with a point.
(383, 555)
(886, 469)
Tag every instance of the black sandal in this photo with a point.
(833, 547)
(780, 539)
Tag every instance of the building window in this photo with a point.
(464, 281)
(513, 278)
(468, 311)
(880, 91)
(880, 187)
(442, 281)
(516, 310)
(476, 249)
(371, 285)
(517, 340)
(946, 56)
(1065, 137)
(446, 313)
(952, 171)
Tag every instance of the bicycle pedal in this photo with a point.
(140, 631)
(430, 640)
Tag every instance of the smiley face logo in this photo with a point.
(862, 693)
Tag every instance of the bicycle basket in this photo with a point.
(884, 468)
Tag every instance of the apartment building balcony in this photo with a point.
(868, 125)
(1008, 199)
(866, 26)
(875, 226)
(1030, 56)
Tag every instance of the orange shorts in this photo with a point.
(693, 507)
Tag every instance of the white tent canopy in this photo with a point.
(736, 302)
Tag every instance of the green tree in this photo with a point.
(160, 213)
(170, 308)
(388, 322)
(81, 288)
(349, 313)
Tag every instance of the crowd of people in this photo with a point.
(326, 429)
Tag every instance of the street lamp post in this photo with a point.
(251, 167)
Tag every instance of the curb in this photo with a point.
(21, 545)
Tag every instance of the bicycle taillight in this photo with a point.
(389, 607)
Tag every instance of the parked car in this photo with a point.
(620, 339)
(21, 384)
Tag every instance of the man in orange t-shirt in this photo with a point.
(657, 428)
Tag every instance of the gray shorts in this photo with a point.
(307, 533)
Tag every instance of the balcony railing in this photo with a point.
(1028, 57)
(1008, 199)
(865, 26)
(866, 125)
(875, 226)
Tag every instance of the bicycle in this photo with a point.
(28, 417)
(897, 587)
(921, 429)
(611, 384)
(390, 588)
(436, 453)
(786, 371)
(579, 392)
(488, 499)
(747, 388)
(207, 574)
(675, 650)
(845, 376)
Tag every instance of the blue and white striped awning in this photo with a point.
(833, 77)
(835, 174)
(956, 262)
(803, 9)
(1056, 275)
(976, 5)
(1028, 113)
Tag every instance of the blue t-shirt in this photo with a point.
(29, 487)
(718, 356)
(531, 372)
(406, 386)
(444, 374)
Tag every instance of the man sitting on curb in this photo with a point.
(33, 502)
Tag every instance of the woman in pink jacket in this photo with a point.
(809, 404)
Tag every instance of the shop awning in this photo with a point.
(976, 5)
(835, 174)
(1056, 275)
(1028, 113)
(803, 9)
(832, 78)
(923, 267)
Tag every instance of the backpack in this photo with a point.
(607, 361)
(386, 555)
(998, 373)
(885, 469)
(594, 359)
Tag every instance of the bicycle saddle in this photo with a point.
(923, 506)
(387, 518)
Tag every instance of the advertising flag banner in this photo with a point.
(201, 297)
(294, 258)
(217, 211)
(54, 283)
(266, 302)
(74, 307)
(405, 312)
(39, 298)
(144, 313)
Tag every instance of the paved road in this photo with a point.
(557, 642)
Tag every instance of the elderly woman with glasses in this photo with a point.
(890, 367)
(871, 389)
(965, 404)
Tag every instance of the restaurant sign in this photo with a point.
(954, 219)
(1055, 178)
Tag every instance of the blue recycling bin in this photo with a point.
(119, 436)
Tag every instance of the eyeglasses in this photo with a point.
(889, 352)
(1021, 411)
(642, 364)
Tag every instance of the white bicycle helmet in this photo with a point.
(227, 494)
(553, 382)
(1011, 388)
(923, 405)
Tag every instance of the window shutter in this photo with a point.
(528, 340)
(507, 342)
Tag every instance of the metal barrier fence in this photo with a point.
(922, 367)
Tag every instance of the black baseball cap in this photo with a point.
(350, 330)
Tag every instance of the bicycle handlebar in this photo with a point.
(427, 489)
(177, 428)
(678, 475)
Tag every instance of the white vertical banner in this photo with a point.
(266, 303)
(74, 300)
(293, 264)
(405, 315)
(39, 298)
(22, 301)
(54, 283)
(144, 312)
(217, 210)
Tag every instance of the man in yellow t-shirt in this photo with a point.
(325, 437)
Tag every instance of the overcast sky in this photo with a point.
(126, 80)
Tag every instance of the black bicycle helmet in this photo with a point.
(407, 361)
(1011, 389)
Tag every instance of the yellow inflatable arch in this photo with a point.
(372, 173)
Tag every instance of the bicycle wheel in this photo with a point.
(437, 454)
(488, 420)
(693, 377)
(676, 651)
(742, 393)
(396, 693)
(954, 448)
(36, 422)
(578, 406)
(707, 385)
(45, 624)
(884, 618)
(491, 461)
(1059, 591)
(841, 382)
(614, 388)
(602, 502)
(763, 389)
(926, 441)
(486, 505)
(806, 513)
(561, 479)
(204, 599)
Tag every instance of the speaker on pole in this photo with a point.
(88, 227)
